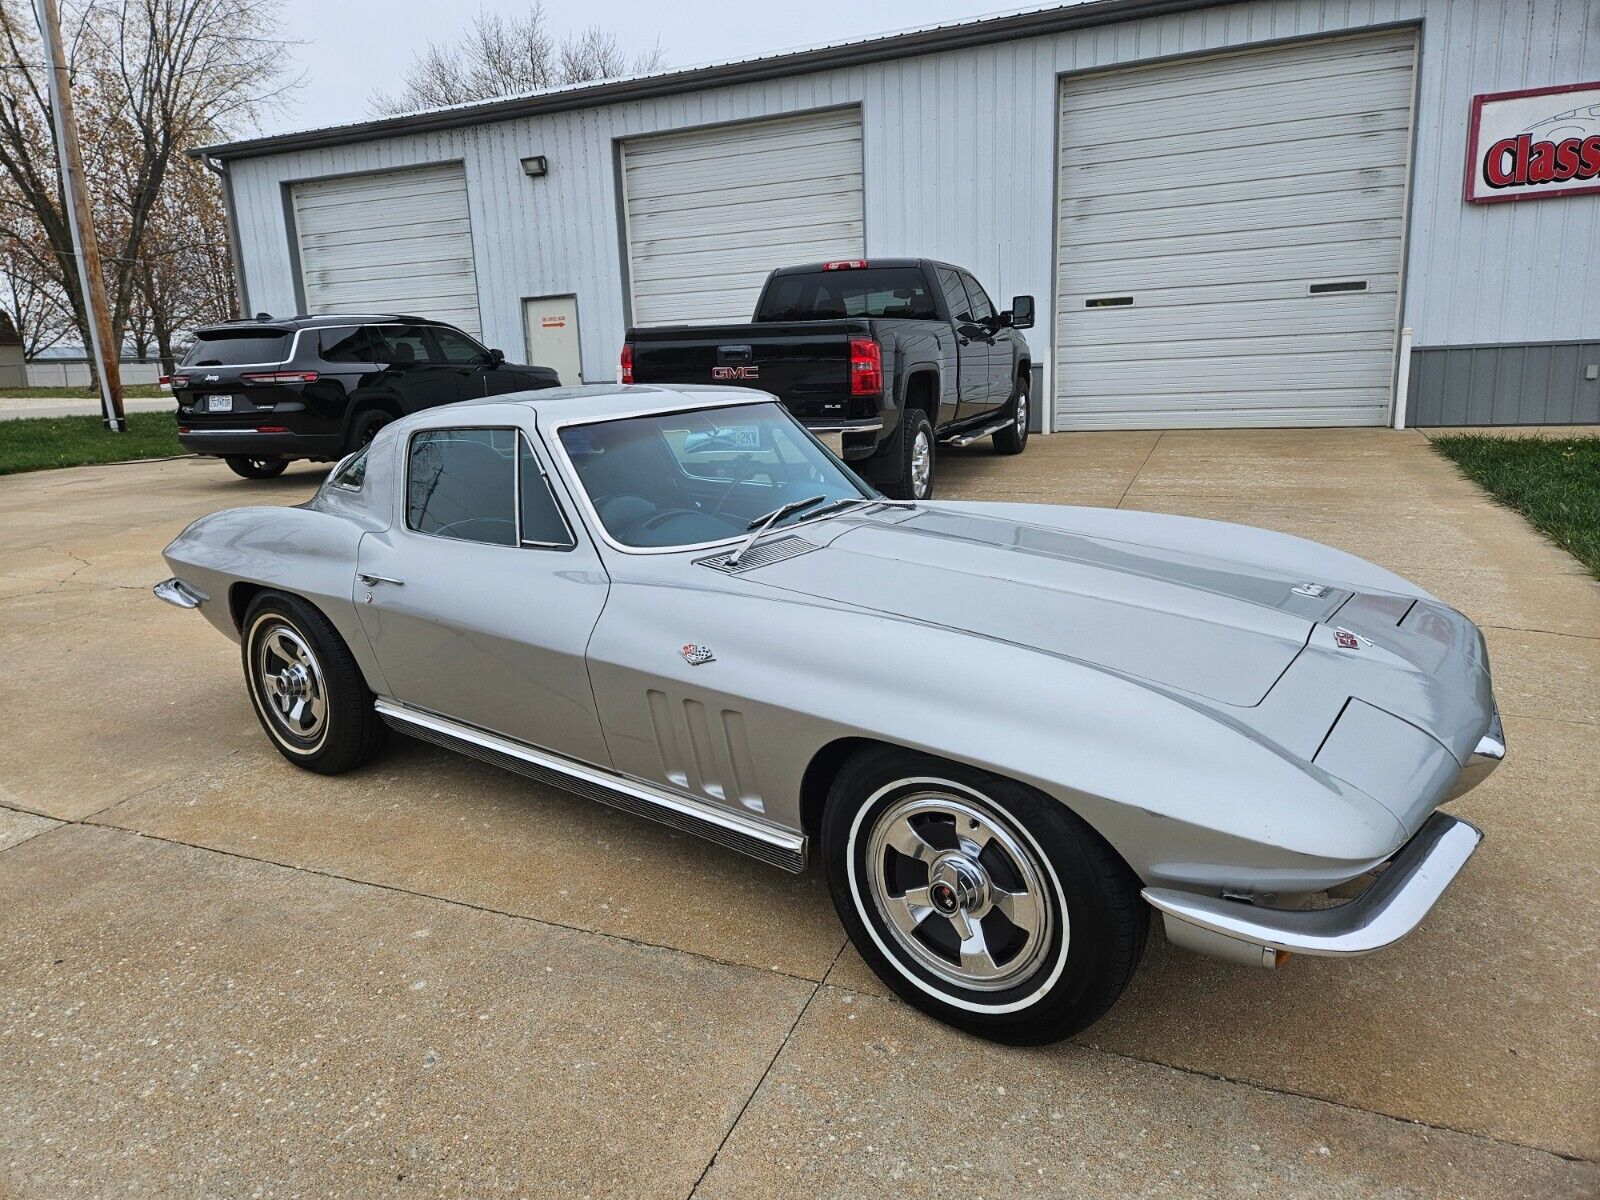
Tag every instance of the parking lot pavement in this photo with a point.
(219, 975)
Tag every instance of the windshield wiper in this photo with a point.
(766, 521)
(840, 506)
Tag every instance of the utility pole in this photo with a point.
(90, 278)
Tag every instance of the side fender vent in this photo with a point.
(762, 554)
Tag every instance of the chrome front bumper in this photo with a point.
(1388, 910)
(179, 594)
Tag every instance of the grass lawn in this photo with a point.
(1554, 482)
(40, 443)
(130, 391)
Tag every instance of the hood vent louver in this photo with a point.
(762, 554)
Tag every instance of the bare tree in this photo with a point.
(509, 56)
(31, 293)
(184, 276)
(150, 78)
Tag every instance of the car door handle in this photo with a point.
(369, 580)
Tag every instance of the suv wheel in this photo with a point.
(911, 451)
(981, 901)
(1013, 439)
(365, 427)
(256, 468)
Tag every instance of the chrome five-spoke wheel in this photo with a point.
(959, 890)
(291, 680)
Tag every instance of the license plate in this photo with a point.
(219, 404)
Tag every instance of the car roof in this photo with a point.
(316, 321)
(601, 401)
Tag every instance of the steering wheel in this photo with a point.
(751, 470)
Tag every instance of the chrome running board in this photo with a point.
(966, 439)
(758, 839)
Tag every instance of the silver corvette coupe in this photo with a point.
(1009, 731)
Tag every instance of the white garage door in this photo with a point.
(396, 242)
(711, 211)
(1229, 238)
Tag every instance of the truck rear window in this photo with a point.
(237, 348)
(832, 295)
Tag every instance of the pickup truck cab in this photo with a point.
(894, 355)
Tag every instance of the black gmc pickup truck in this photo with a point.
(893, 354)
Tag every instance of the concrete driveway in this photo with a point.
(221, 976)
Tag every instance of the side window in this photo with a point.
(402, 344)
(352, 475)
(542, 522)
(462, 483)
(347, 345)
(955, 295)
(458, 349)
(982, 310)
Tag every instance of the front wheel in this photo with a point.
(978, 900)
(1013, 439)
(256, 468)
(306, 688)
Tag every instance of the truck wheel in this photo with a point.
(1013, 439)
(256, 468)
(912, 453)
(981, 901)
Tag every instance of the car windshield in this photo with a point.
(860, 292)
(689, 478)
(237, 347)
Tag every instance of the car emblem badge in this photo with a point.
(212, 378)
(696, 656)
(1315, 590)
(1346, 639)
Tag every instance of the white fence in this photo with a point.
(70, 372)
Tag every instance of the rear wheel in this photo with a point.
(365, 427)
(1013, 439)
(980, 901)
(305, 686)
(256, 468)
(909, 466)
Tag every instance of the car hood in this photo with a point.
(1201, 624)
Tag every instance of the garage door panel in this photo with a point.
(723, 206)
(1214, 193)
(1164, 196)
(1310, 263)
(399, 241)
(1227, 75)
(1187, 244)
(1260, 214)
(1202, 167)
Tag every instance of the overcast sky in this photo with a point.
(353, 47)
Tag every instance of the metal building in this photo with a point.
(1228, 213)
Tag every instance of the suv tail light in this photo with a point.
(179, 381)
(627, 362)
(281, 377)
(866, 367)
(846, 264)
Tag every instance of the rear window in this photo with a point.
(832, 295)
(237, 348)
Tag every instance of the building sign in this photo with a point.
(1534, 145)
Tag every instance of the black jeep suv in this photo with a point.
(260, 393)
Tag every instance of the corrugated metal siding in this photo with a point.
(399, 241)
(1505, 385)
(959, 153)
(712, 211)
(1213, 194)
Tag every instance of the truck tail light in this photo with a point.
(866, 367)
(846, 264)
(627, 362)
(281, 377)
